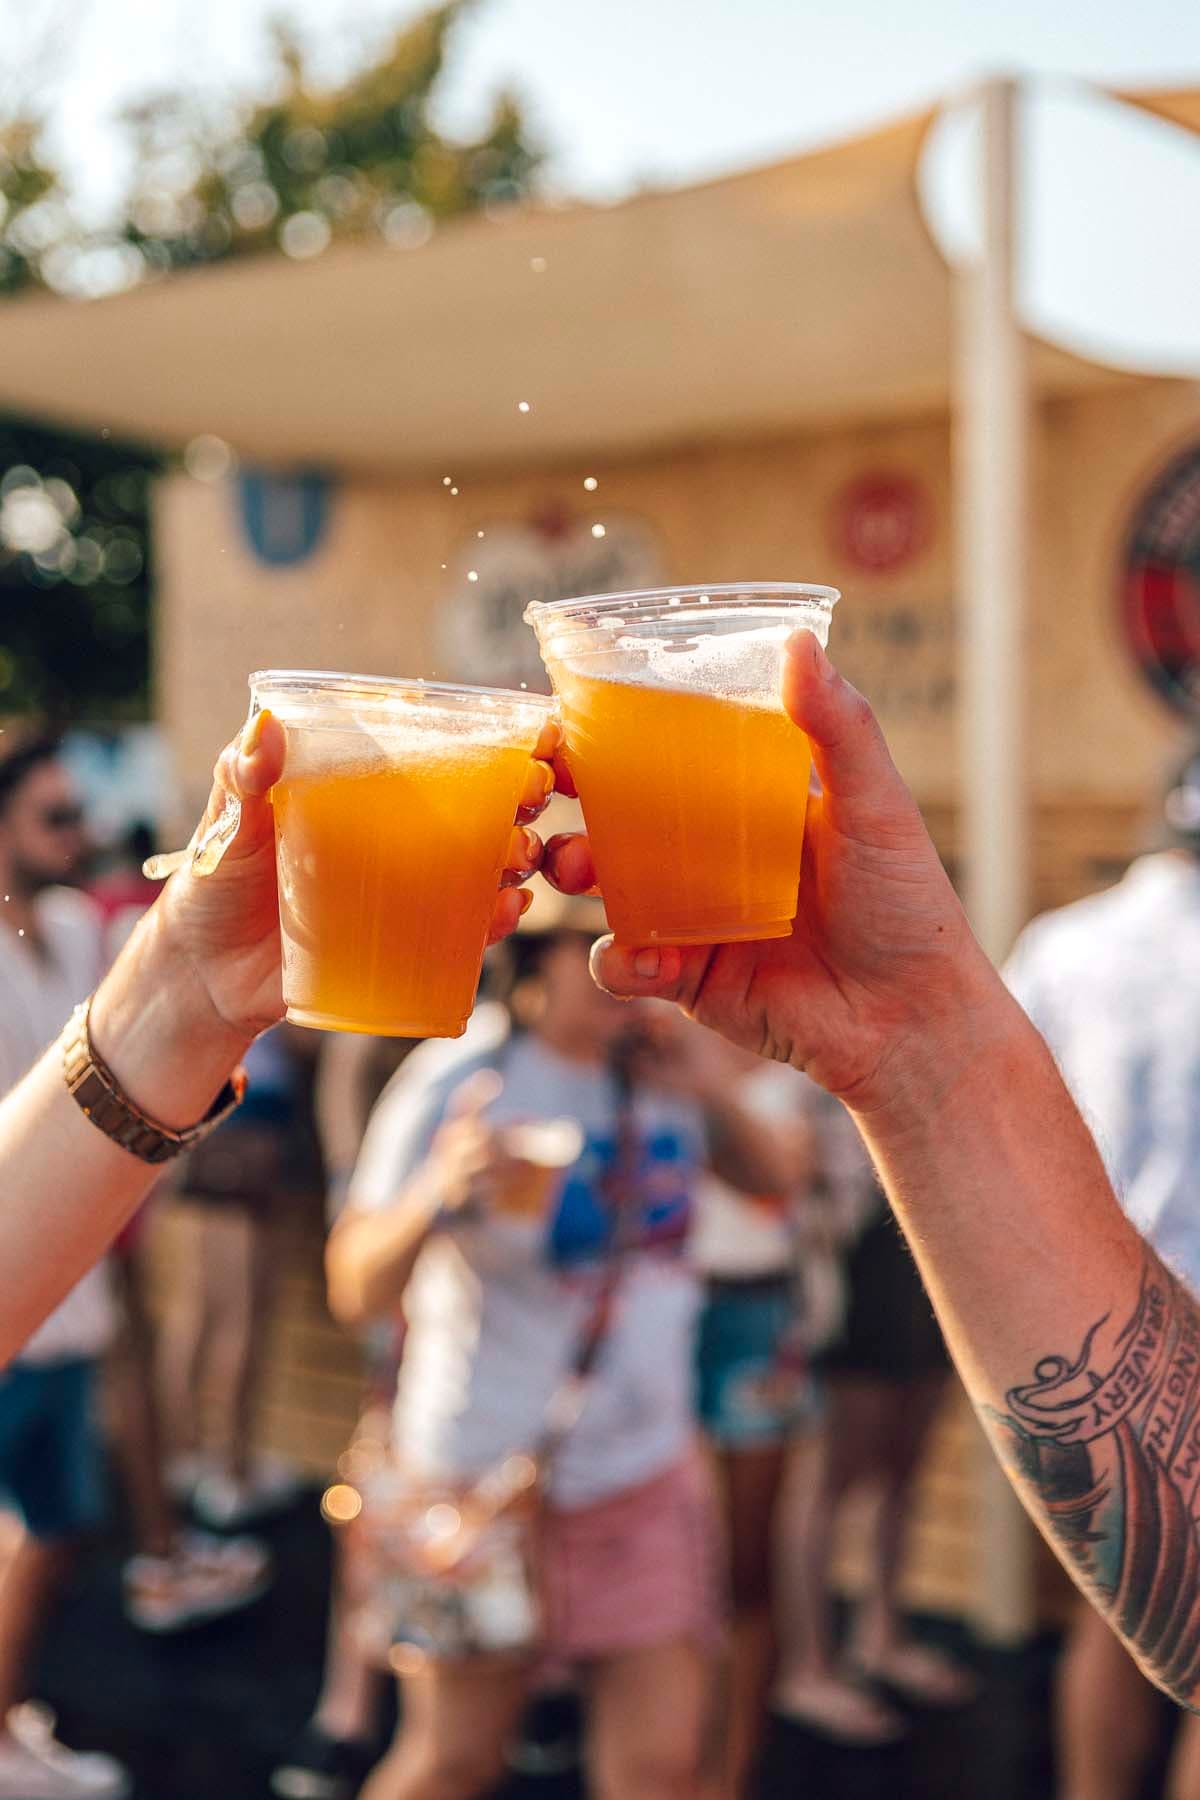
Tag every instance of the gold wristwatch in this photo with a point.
(98, 1093)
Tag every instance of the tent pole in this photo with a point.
(992, 422)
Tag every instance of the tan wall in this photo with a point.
(367, 598)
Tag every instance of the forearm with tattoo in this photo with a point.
(1103, 1439)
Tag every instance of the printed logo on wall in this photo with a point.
(1160, 583)
(480, 633)
(284, 516)
(881, 521)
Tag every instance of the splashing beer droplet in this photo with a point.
(523, 406)
(598, 531)
(472, 574)
(590, 483)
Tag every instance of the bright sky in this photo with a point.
(628, 91)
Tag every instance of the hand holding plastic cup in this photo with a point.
(392, 823)
(542, 1150)
(692, 778)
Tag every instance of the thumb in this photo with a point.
(665, 972)
(258, 756)
(477, 1093)
(849, 751)
(239, 821)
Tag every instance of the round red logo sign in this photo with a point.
(881, 522)
(1160, 587)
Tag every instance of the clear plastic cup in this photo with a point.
(693, 780)
(392, 821)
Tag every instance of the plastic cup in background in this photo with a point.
(692, 779)
(392, 822)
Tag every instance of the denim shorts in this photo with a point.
(747, 1393)
(51, 1468)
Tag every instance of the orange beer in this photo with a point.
(392, 821)
(692, 779)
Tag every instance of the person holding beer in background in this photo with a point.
(498, 1265)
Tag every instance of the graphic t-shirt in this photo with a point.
(497, 1303)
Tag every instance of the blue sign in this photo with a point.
(284, 516)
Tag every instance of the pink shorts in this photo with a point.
(633, 1571)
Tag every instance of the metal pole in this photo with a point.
(991, 450)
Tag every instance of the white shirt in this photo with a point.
(1113, 985)
(496, 1304)
(37, 995)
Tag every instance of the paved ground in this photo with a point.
(203, 1717)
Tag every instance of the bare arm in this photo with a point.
(371, 1255)
(753, 1154)
(198, 980)
(67, 1188)
(1080, 1352)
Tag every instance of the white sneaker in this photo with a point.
(35, 1766)
(204, 1578)
(227, 1504)
(183, 1472)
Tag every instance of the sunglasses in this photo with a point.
(62, 818)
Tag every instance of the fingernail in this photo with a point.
(252, 732)
(533, 849)
(647, 963)
(525, 901)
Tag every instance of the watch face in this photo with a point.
(1160, 586)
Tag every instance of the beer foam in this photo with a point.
(734, 665)
(340, 733)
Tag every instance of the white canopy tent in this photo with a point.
(807, 293)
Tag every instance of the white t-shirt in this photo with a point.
(496, 1305)
(1113, 985)
(37, 995)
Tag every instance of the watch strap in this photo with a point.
(99, 1095)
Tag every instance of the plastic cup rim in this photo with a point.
(393, 686)
(728, 592)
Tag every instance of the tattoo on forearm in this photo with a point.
(1110, 1445)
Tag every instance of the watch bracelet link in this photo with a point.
(100, 1097)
